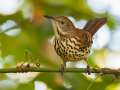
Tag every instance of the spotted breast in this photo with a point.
(72, 47)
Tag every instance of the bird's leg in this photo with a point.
(88, 70)
(62, 68)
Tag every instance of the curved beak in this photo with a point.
(53, 18)
(49, 17)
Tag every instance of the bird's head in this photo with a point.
(62, 23)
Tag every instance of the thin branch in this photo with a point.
(72, 70)
(8, 29)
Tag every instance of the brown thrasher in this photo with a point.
(71, 43)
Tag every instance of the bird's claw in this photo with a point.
(62, 69)
(88, 70)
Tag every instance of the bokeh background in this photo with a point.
(24, 29)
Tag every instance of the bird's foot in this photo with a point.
(62, 69)
(88, 70)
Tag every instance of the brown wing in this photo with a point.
(93, 25)
(83, 38)
(86, 39)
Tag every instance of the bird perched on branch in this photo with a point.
(71, 43)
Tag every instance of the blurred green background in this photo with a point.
(23, 29)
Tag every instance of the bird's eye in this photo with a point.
(62, 22)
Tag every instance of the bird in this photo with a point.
(71, 43)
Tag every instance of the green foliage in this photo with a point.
(33, 36)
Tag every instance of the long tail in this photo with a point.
(93, 25)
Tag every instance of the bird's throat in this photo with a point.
(57, 30)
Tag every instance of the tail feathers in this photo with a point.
(93, 25)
